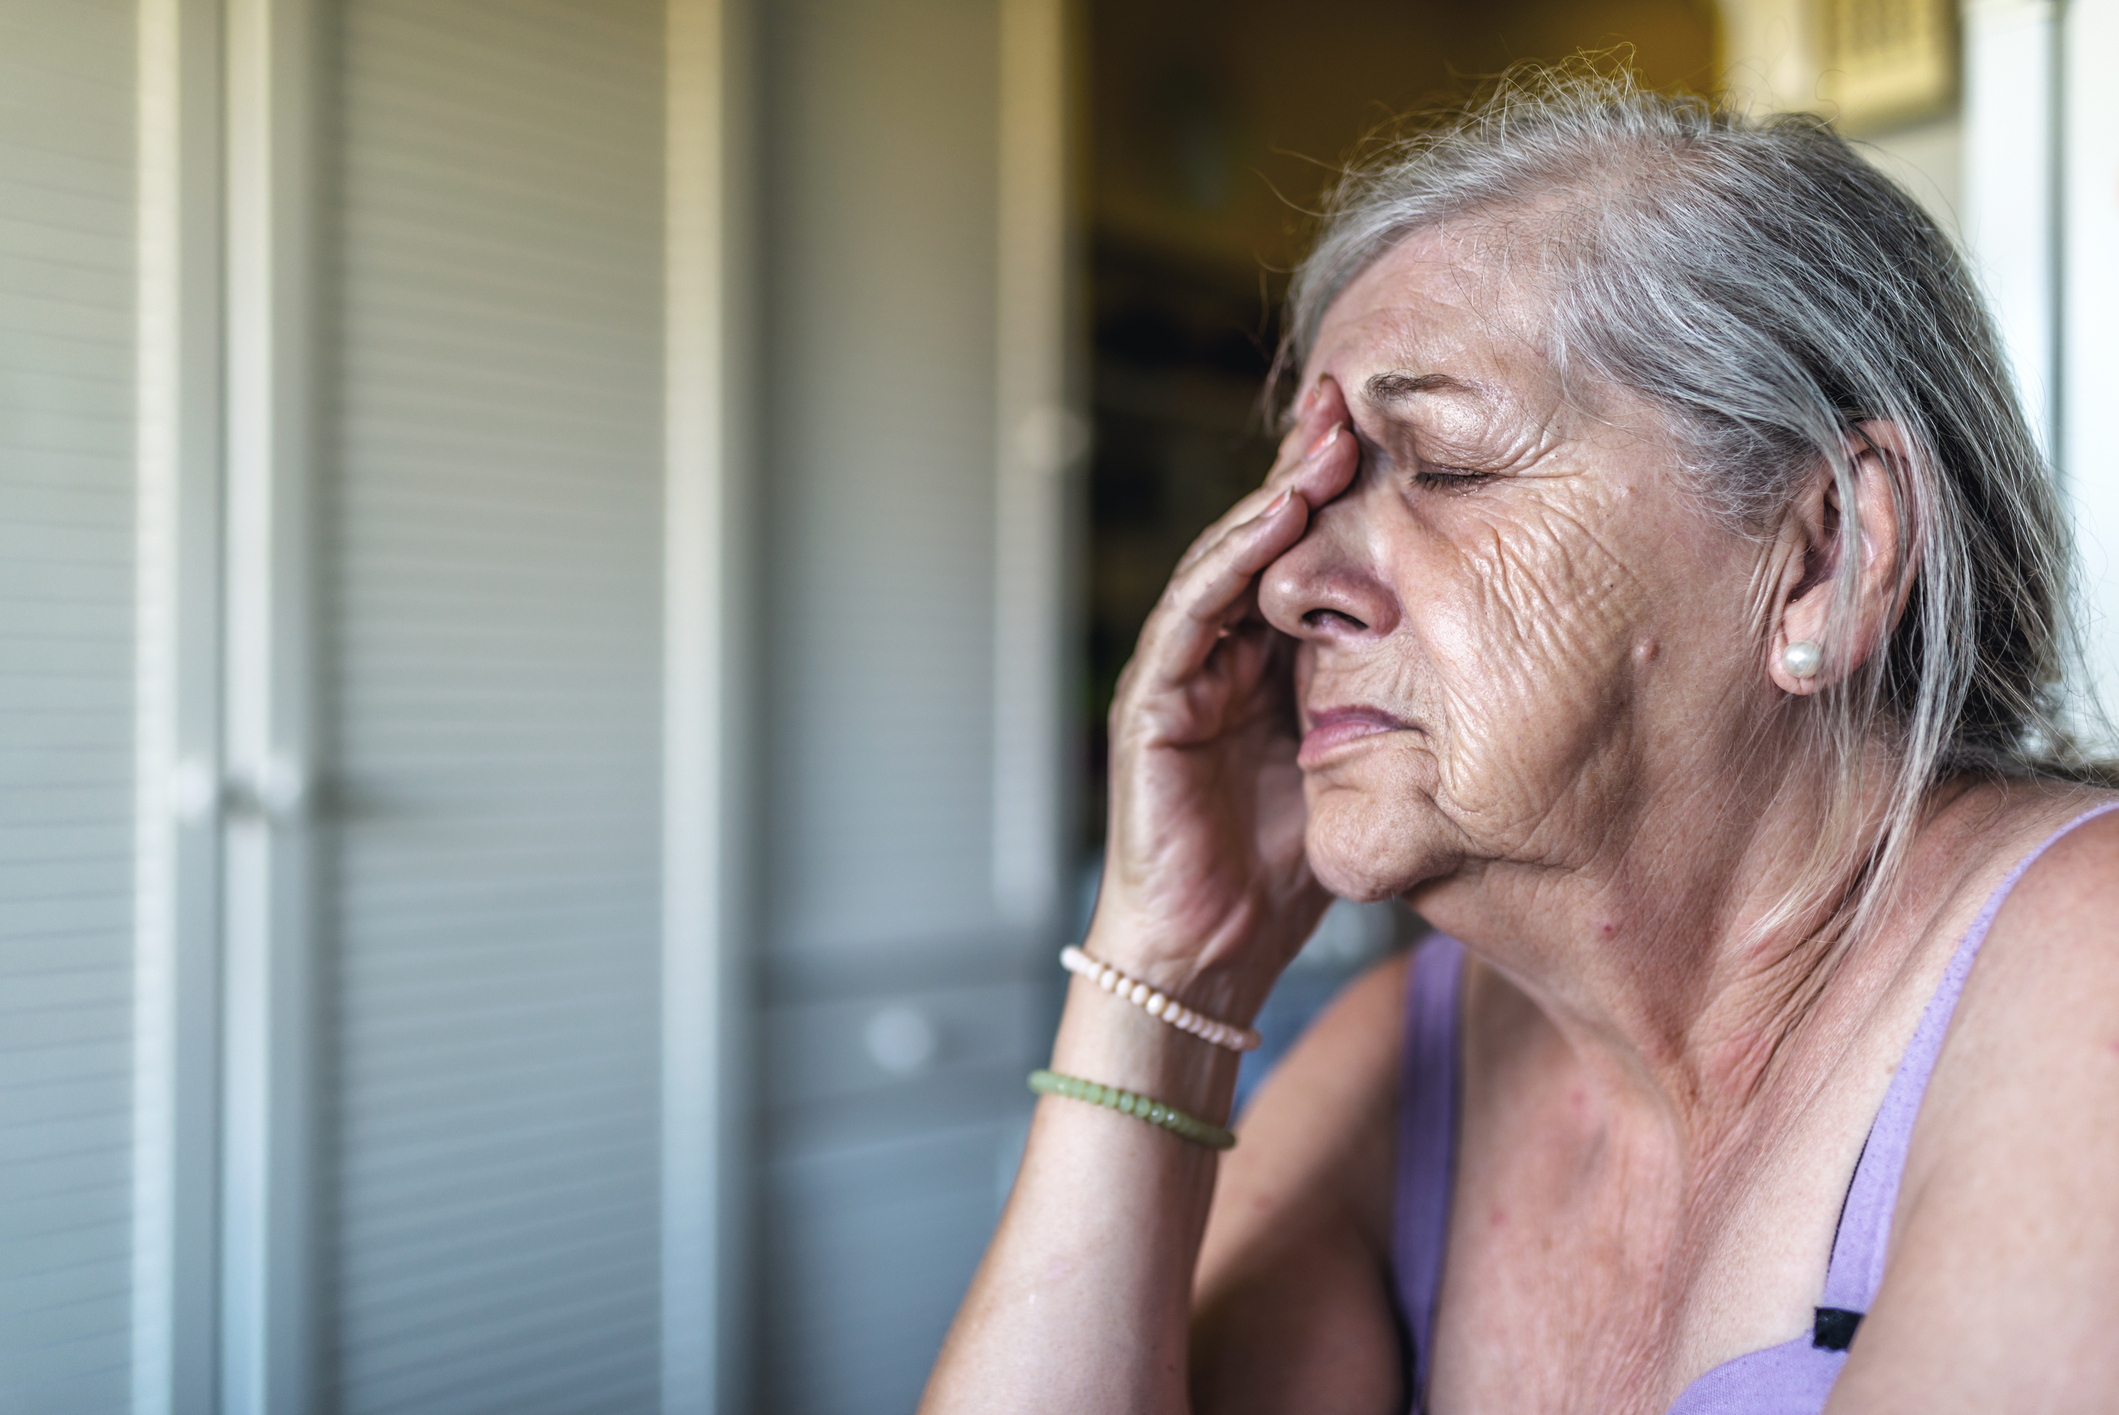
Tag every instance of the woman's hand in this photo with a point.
(1207, 893)
(1083, 1303)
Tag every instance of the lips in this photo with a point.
(1336, 727)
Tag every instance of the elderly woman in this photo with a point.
(1659, 590)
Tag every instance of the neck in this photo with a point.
(1668, 960)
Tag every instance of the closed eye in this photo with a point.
(1450, 478)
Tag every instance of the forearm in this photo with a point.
(1084, 1299)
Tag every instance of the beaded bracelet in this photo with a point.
(1140, 1107)
(1221, 1034)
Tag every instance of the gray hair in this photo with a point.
(1769, 291)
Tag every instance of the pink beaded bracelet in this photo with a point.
(1169, 1009)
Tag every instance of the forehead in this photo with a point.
(1439, 301)
(1444, 339)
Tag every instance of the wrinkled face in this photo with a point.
(1518, 636)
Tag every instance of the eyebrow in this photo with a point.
(1397, 386)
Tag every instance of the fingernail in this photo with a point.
(1309, 400)
(1317, 448)
(1279, 502)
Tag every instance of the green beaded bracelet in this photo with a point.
(1170, 1118)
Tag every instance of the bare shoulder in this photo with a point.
(1292, 1306)
(2038, 1010)
(2003, 1282)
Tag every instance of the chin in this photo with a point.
(1365, 849)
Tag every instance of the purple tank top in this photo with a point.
(1793, 1378)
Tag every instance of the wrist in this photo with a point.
(1111, 1041)
(1159, 1005)
(1215, 976)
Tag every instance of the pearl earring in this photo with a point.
(1802, 659)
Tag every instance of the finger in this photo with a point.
(1323, 472)
(1312, 417)
(1205, 597)
(1321, 478)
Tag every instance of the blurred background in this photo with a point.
(561, 564)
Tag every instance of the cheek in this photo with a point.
(1532, 656)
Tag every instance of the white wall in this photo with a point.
(492, 649)
(2089, 319)
(357, 304)
(349, 1016)
(2041, 202)
(880, 186)
(66, 697)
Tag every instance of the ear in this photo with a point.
(1813, 554)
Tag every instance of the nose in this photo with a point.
(1332, 587)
